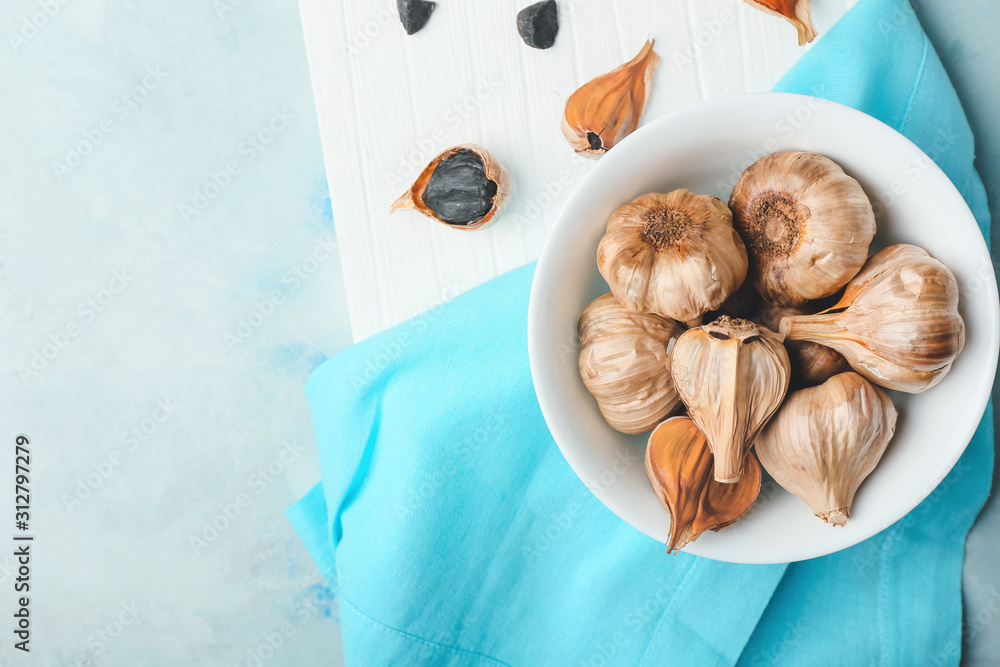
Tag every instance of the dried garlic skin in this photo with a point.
(897, 324)
(463, 187)
(812, 363)
(732, 375)
(679, 467)
(826, 440)
(806, 224)
(605, 110)
(675, 255)
(795, 12)
(625, 364)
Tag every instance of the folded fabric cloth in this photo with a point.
(454, 532)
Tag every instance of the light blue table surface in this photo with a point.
(167, 282)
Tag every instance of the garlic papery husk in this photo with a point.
(625, 364)
(679, 468)
(795, 12)
(812, 363)
(605, 110)
(806, 224)
(897, 324)
(675, 254)
(825, 440)
(732, 375)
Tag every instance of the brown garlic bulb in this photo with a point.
(732, 375)
(607, 109)
(625, 364)
(464, 187)
(795, 12)
(826, 440)
(679, 467)
(897, 324)
(675, 254)
(807, 226)
(812, 363)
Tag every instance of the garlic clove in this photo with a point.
(806, 224)
(464, 187)
(826, 440)
(538, 24)
(679, 467)
(625, 364)
(732, 375)
(605, 110)
(812, 363)
(897, 324)
(795, 12)
(675, 255)
(414, 14)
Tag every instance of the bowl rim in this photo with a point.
(544, 274)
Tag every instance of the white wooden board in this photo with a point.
(388, 102)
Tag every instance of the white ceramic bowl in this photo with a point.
(704, 148)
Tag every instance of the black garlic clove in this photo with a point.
(414, 14)
(538, 24)
(464, 187)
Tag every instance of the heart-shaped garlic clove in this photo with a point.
(675, 255)
(806, 224)
(897, 324)
(826, 440)
(795, 12)
(732, 375)
(464, 187)
(605, 110)
(625, 364)
(679, 467)
(812, 363)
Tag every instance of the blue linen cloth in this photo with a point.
(454, 532)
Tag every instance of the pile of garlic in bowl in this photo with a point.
(760, 334)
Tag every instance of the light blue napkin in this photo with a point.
(455, 533)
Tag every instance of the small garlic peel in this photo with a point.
(605, 110)
(795, 12)
(826, 440)
(679, 467)
(897, 324)
(464, 187)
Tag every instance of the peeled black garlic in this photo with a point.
(812, 363)
(538, 24)
(795, 12)
(625, 364)
(897, 324)
(414, 14)
(464, 187)
(679, 467)
(807, 226)
(607, 109)
(676, 254)
(732, 375)
(826, 440)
